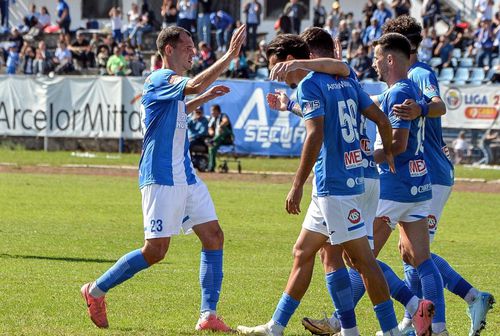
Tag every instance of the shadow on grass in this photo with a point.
(70, 259)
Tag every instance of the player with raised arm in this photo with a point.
(440, 169)
(330, 106)
(173, 197)
(320, 43)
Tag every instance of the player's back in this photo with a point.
(165, 152)
(436, 152)
(411, 182)
(339, 168)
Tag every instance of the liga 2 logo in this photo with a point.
(354, 216)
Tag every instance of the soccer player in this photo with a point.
(405, 196)
(173, 197)
(440, 169)
(320, 44)
(329, 106)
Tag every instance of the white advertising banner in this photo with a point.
(471, 106)
(87, 107)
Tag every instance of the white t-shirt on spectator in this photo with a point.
(116, 23)
(132, 17)
(485, 8)
(63, 54)
(44, 20)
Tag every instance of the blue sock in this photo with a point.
(210, 279)
(397, 287)
(432, 287)
(358, 287)
(285, 309)
(339, 287)
(451, 279)
(122, 270)
(412, 282)
(386, 315)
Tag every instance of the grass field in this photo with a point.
(262, 164)
(59, 231)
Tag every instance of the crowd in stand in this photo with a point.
(120, 51)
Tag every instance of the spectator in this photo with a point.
(31, 19)
(108, 43)
(489, 142)
(444, 50)
(44, 19)
(116, 65)
(156, 62)
(238, 68)
(496, 74)
(207, 56)
(362, 64)
(296, 10)
(221, 132)
(336, 13)
(186, 14)
(168, 13)
(12, 61)
(260, 58)
(134, 60)
(372, 32)
(115, 14)
(461, 148)
(484, 44)
(223, 23)
(4, 12)
(354, 42)
(28, 58)
(204, 26)
(427, 45)
(401, 7)
(283, 25)
(382, 14)
(349, 19)
(102, 59)
(431, 12)
(330, 27)
(484, 9)
(197, 128)
(134, 29)
(63, 17)
(42, 62)
(16, 39)
(344, 34)
(368, 10)
(319, 18)
(253, 10)
(81, 51)
(62, 59)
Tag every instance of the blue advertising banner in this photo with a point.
(258, 130)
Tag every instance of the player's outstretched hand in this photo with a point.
(409, 110)
(237, 40)
(279, 70)
(293, 201)
(217, 91)
(389, 158)
(278, 101)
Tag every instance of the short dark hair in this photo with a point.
(169, 35)
(319, 41)
(216, 107)
(405, 25)
(287, 44)
(394, 42)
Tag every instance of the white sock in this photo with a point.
(438, 327)
(406, 322)
(206, 313)
(275, 327)
(393, 332)
(95, 291)
(349, 332)
(412, 306)
(472, 294)
(334, 321)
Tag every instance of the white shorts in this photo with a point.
(393, 212)
(440, 195)
(369, 203)
(336, 217)
(168, 209)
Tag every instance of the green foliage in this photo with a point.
(59, 232)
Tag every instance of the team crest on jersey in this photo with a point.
(354, 216)
(432, 221)
(353, 159)
(417, 168)
(430, 89)
(311, 106)
(446, 152)
(366, 146)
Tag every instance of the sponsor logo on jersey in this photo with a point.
(446, 152)
(365, 146)
(311, 106)
(338, 86)
(351, 183)
(432, 222)
(353, 159)
(420, 189)
(417, 168)
(354, 216)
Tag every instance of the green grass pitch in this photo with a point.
(59, 231)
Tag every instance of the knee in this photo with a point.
(301, 255)
(214, 240)
(154, 253)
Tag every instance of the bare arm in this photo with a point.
(207, 77)
(310, 152)
(212, 93)
(399, 143)
(325, 65)
(410, 110)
